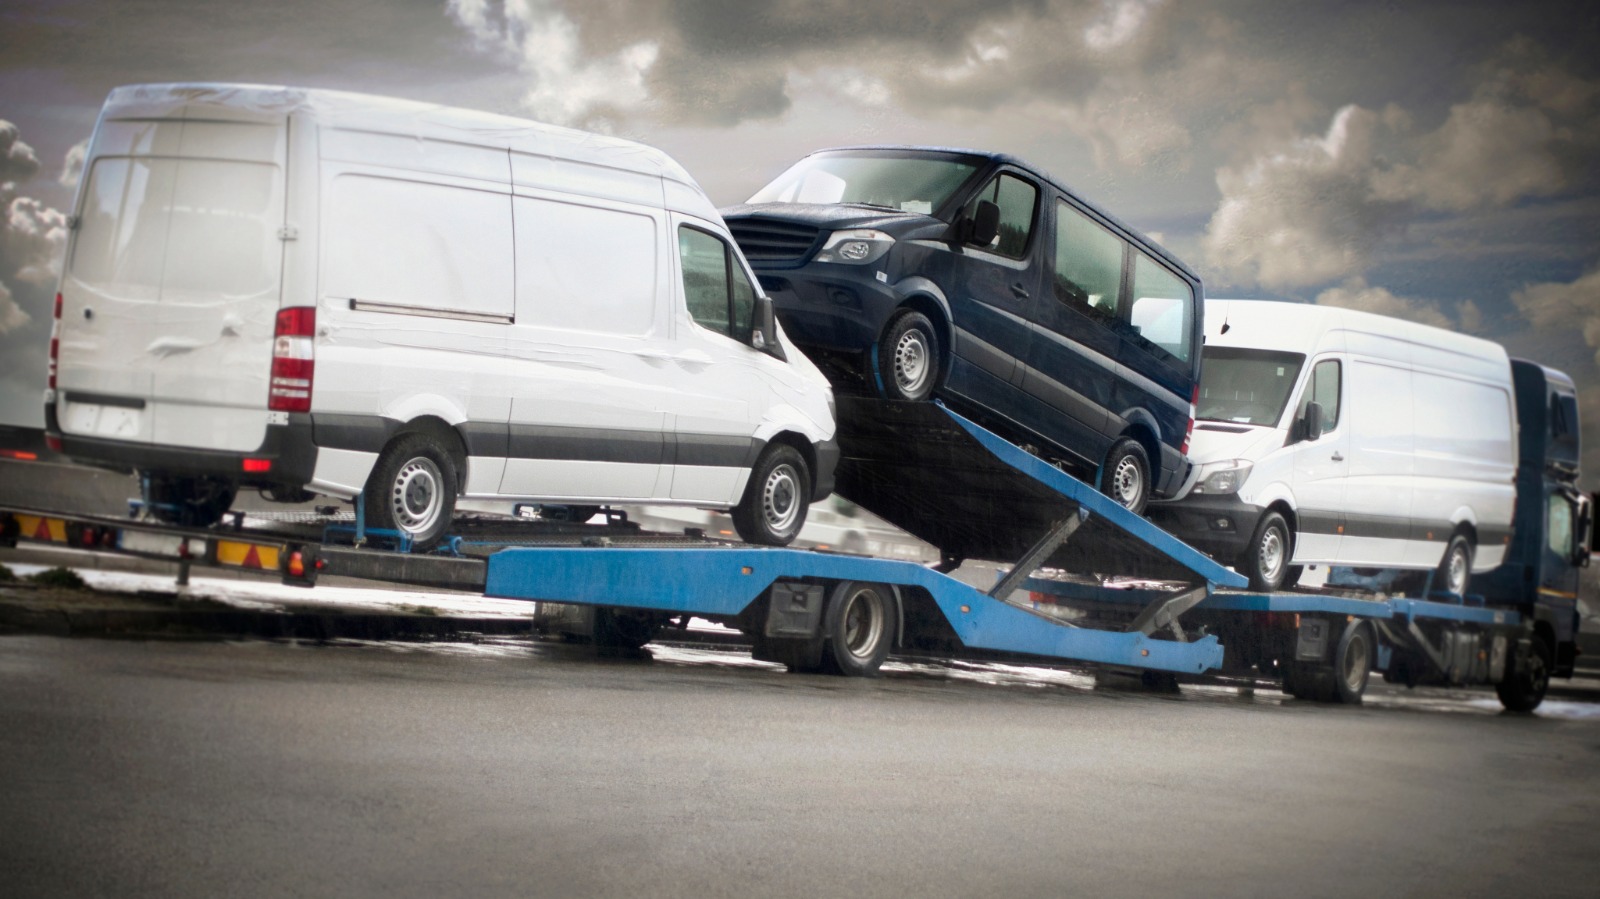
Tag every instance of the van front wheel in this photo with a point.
(412, 490)
(1266, 559)
(1455, 569)
(776, 498)
(908, 357)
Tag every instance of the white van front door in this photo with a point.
(1320, 466)
(713, 370)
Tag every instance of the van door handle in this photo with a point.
(1019, 291)
(1338, 456)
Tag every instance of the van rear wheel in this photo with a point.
(194, 502)
(775, 499)
(1126, 475)
(413, 490)
(1455, 569)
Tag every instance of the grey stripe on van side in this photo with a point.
(587, 444)
(1388, 527)
(370, 433)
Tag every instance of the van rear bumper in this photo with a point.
(288, 448)
(1220, 526)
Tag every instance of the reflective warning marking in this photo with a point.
(52, 530)
(247, 555)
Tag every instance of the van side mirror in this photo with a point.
(978, 229)
(1313, 421)
(985, 224)
(764, 336)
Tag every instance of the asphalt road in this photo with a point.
(206, 769)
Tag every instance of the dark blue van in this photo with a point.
(907, 272)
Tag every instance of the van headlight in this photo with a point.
(855, 247)
(1226, 476)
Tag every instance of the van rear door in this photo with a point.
(173, 283)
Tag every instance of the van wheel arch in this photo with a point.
(935, 311)
(807, 450)
(1152, 451)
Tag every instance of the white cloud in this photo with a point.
(17, 160)
(33, 238)
(1568, 308)
(566, 85)
(1356, 294)
(12, 316)
(1310, 213)
(1118, 23)
(72, 164)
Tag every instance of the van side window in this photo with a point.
(718, 292)
(1162, 311)
(1323, 389)
(1088, 263)
(1018, 201)
(1558, 525)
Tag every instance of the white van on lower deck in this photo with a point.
(1337, 437)
(313, 291)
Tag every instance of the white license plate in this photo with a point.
(102, 421)
(160, 544)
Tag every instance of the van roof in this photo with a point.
(1300, 327)
(1131, 232)
(254, 102)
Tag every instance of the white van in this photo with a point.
(1330, 436)
(308, 291)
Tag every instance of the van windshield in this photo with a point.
(1246, 386)
(906, 183)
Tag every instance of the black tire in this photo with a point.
(624, 628)
(776, 499)
(1266, 560)
(909, 357)
(194, 502)
(860, 627)
(1527, 680)
(1455, 569)
(1352, 663)
(1126, 475)
(413, 490)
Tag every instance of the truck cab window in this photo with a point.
(1018, 201)
(1558, 525)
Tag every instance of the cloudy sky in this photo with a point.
(1431, 160)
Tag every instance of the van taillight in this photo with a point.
(55, 345)
(1194, 405)
(292, 363)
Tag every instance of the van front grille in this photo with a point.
(767, 240)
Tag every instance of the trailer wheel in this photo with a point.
(859, 628)
(1266, 560)
(1455, 569)
(776, 498)
(1352, 664)
(1524, 686)
(908, 357)
(412, 490)
(624, 628)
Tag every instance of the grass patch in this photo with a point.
(7, 574)
(64, 578)
(428, 611)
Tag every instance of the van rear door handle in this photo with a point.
(1020, 291)
(1338, 456)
